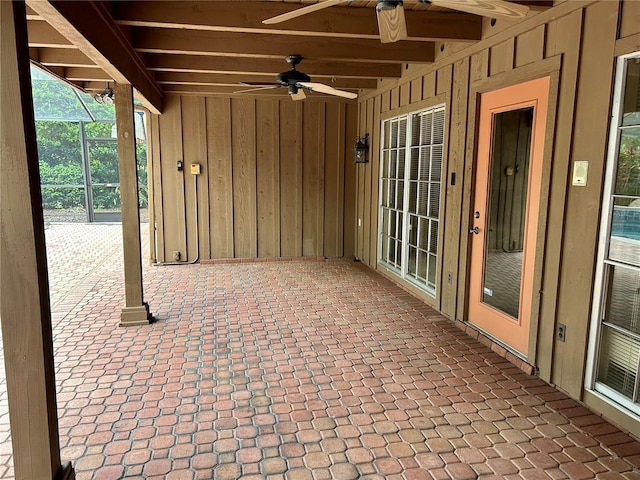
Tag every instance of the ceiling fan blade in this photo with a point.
(299, 95)
(322, 88)
(260, 84)
(302, 11)
(263, 87)
(392, 25)
(486, 8)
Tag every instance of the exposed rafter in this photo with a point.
(208, 47)
(335, 22)
(160, 40)
(325, 68)
(89, 26)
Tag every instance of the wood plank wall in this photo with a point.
(575, 43)
(277, 178)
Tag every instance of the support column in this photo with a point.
(24, 288)
(136, 310)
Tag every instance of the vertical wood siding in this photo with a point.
(277, 178)
(580, 40)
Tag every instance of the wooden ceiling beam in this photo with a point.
(41, 34)
(83, 74)
(62, 57)
(318, 68)
(235, 79)
(158, 40)
(88, 25)
(344, 22)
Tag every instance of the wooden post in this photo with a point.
(24, 289)
(135, 311)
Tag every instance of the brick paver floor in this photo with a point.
(299, 370)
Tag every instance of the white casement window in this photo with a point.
(410, 190)
(614, 359)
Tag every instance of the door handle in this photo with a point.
(475, 230)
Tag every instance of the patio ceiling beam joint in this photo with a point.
(92, 30)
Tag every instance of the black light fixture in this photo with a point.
(361, 149)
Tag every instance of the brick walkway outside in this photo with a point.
(293, 370)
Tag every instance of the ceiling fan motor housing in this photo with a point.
(292, 77)
(387, 4)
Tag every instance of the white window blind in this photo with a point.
(410, 192)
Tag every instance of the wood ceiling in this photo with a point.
(209, 47)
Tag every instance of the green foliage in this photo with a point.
(60, 158)
(628, 168)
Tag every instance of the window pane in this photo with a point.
(415, 129)
(436, 163)
(394, 135)
(384, 198)
(413, 230)
(433, 240)
(624, 244)
(413, 196)
(431, 278)
(402, 132)
(384, 168)
(426, 129)
(623, 298)
(412, 261)
(425, 154)
(631, 100)
(438, 127)
(400, 197)
(413, 169)
(422, 265)
(423, 198)
(423, 237)
(628, 169)
(618, 361)
(401, 163)
(434, 200)
(385, 247)
(386, 143)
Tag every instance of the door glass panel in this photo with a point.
(506, 207)
(623, 298)
(618, 361)
(624, 240)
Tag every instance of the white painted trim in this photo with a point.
(599, 290)
(402, 272)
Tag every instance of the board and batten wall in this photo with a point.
(274, 183)
(575, 43)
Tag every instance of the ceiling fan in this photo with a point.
(390, 13)
(297, 82)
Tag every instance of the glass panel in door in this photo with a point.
(506, 210)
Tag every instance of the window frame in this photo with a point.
(604, 265)
(403, 271)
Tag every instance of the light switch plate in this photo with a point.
(580, 173)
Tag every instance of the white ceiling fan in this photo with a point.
(390, 13)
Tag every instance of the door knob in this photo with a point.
(475, 230)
